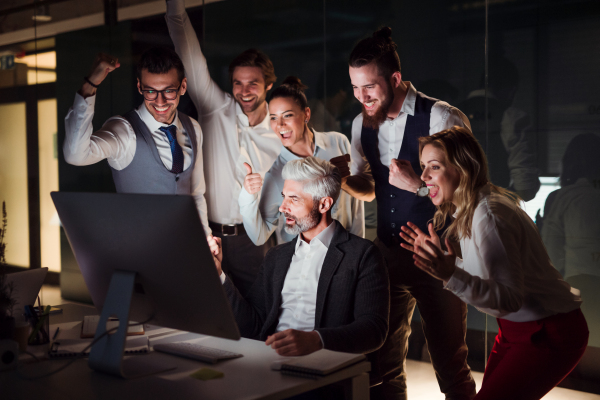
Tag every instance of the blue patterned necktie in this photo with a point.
(171, 132)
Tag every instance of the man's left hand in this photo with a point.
(403, 176)
(216, 248)
(292, 342)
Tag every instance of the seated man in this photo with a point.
(327, 288)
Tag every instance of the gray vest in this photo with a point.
(146, 173)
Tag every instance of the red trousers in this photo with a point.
(530, 358)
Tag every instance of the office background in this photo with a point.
(543, 63)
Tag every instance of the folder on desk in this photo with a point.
(319, 363)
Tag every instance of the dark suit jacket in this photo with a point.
(353, 295)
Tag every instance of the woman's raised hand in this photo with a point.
(416, 237)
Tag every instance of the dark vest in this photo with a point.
(147, 173)
(395, 207)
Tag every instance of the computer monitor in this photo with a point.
(144, 258)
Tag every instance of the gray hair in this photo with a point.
(320, 178)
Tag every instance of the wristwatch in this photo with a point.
(423, 191)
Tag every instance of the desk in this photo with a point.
(248, 377)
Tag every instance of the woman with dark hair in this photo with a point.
(571, 229)
(503, 270)
(290, 115)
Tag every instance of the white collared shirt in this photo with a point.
(261, 213)
(229, 140)
(299, 293)
(116, 142)
(391, 132)
(505, 270)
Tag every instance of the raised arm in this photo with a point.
(115, 141)
(204, 92)
(260, 213)
(360, 183)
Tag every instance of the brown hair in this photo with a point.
(381, 49)
(463, 152)
(292, 87)
(254, 58)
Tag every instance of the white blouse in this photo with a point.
(505, 270)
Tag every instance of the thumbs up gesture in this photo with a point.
(252, 182)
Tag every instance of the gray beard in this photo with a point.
(303, 224)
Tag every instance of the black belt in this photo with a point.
(227, 229)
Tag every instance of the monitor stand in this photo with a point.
(107, 353)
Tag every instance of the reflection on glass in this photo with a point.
(571, 225)
(48, 159)
(46, 67)
(13, 182)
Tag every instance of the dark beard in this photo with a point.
(381, 115)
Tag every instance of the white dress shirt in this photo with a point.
(299, 293)
(116, 142)
(571, 229)
(505, 270)
(391, 132)
(261, 215)
(229, 140)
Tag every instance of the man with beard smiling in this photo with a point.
(153, 149)
(385, 166)
(327, 288)
(236, 131)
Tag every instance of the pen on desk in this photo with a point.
(55, 334)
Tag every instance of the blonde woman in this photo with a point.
(504, 271)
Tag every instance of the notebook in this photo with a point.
(317, 364)
(90, 323)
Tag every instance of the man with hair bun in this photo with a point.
(153, 149)
(385, 166)
(327, 288)
(236, 131)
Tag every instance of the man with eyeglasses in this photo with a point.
(151, 149)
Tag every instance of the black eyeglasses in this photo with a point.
(168, 94)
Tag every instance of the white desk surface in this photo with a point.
(248, 377)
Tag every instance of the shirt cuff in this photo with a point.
(246, 198)
(82, 103)
(321, 337)
(222, 277)
(175, 7)
(458, 281)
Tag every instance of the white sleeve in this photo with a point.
(198, 188)
(503, 292)
(444, 116)
(115, 141)
(204, 92)
(261, 217)
(359, 165)
(358, 208)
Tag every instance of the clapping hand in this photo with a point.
(252, 182)
(429, 255)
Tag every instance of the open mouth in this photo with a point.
(161, 110)
(433, 190)
(286, 134)
(246, 99)
(370, 105)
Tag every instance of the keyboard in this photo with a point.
(196, 352)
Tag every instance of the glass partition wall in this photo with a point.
(525, 72)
